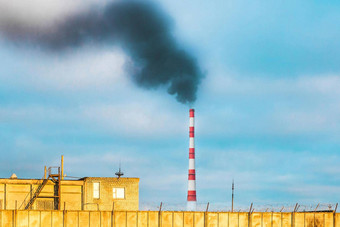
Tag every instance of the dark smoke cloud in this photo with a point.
(141, 29)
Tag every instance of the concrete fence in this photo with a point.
(16, 218)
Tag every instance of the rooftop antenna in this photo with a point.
(119, 173)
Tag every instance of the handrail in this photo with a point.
(53, 167)
(34, 189)
(36, 194)
(23, 202)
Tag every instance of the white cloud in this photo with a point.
(245, 105)
(95, 69)
(39, 13)
(229, 84)
(105, 163)
(240, 106)
(284, 174)
(135, 119)
(84, 69)
(129, 120)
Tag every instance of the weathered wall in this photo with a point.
(164, 219)
(105, 202)
(13, 192)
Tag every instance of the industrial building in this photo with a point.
(54, 192)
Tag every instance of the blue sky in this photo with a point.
(267, 112)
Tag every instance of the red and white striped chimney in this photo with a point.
(191, 202)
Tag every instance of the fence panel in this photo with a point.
(46, 218)
(299, 219)
(266, 219)
(57, 219)
(211, 220)
(95, 219)
(188, 219)
(276, 219)
(120, 219)
(337, 220)
(178, 219)
(286, 219)
(84, 218)
(319, 220)
(142, 219)
(243, 219)
(131, 219)
(329, 219)
(223, 220)
(166, 219)
(233, 219)
(199, 219)
(106, 218)
(22, 219)
(72, 219)
(256, 219)
(152, 219)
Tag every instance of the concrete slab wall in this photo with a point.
(21, 218)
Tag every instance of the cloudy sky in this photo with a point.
(267, 109)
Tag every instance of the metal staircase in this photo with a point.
(36, 194)
(55, 178)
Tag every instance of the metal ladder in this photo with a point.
(36, 194)
(55, 178)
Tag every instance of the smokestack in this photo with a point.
(191, 201)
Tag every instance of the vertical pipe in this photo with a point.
(62, 167)
(58, 186)
(191, 199)
(5, 196)
(45, 173)
(232, 197)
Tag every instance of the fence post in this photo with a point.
(14, 215)
(64, 217)
(206, 216)
(249, 215)
(159, 215)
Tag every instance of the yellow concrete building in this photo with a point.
(54, 192)
(89, 193)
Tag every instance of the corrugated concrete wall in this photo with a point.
(164, 219)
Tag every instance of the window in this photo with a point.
(118, 193)
(44, 205)
(96, 190)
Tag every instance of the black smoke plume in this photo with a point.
(144, 32)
